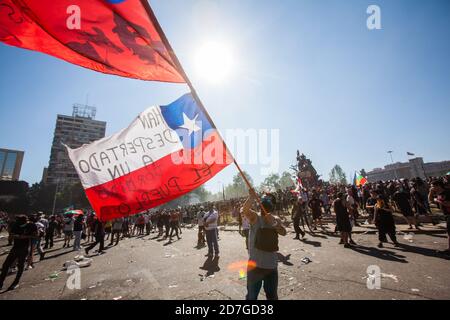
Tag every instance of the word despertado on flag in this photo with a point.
(109, 36)
(166, 152)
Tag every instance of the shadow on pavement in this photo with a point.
(284, 259)
(211, 266)
(312, 243)
(421, 250)
(381, 254)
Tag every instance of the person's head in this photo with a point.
(341, 195)
(438, 186)
(21, 219)
(268, 202)
(380, 202)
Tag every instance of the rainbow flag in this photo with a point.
(360, 180)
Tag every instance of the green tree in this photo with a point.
(286, 180)
(238, 188)
(337, 176)
(271, 182)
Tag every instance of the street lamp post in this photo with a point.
(392, 161)
(54, 198)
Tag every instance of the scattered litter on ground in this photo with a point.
(83, 299)
(53, 276)
(306, 260)
(291, 278)
(80, 262)
(428, 277)
(117, 298)
(173, 286)
(129, 280)
(409, 237)
(415, 290)
(92, 287)
(390, 276)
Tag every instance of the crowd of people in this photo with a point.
(260, 222)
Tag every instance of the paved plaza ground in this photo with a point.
(147, 268)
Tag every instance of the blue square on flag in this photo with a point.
(188, 120)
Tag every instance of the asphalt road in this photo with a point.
(145, 268)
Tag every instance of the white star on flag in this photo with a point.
(190, 124)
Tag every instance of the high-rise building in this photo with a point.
(74, 131)
(10, 164)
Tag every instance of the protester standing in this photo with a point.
(262, 270)
(99, 235)
(385, 223)
(78, 229)
(211, 231)
(22, 231)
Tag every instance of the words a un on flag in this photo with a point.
(166, 152)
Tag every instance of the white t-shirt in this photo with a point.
(211, 218)
(201, 222)
(68, 224)
(350, 201)
(245, 223)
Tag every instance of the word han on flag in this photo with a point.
(117, 37)
(166, 152)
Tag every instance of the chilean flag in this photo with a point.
(166, 152)
(117, 37)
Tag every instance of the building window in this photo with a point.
(9, 165)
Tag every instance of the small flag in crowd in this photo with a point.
(166, 152)
(109, 36)
(360, 180)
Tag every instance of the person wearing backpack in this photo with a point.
(262, 269)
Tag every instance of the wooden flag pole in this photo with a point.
(179, 67)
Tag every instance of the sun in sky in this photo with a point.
(214, 61)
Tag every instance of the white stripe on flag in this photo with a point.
(146, 140)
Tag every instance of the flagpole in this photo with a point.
(180, 68)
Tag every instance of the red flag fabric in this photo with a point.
(117, 37)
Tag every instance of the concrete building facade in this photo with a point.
(407, 170)
(74, 131)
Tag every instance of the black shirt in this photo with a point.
(52, 225)
(445, 196)
(402, 200)
(27, 229)
(78, 225)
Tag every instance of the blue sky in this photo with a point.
(339, 92)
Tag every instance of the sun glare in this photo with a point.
(214, 61)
